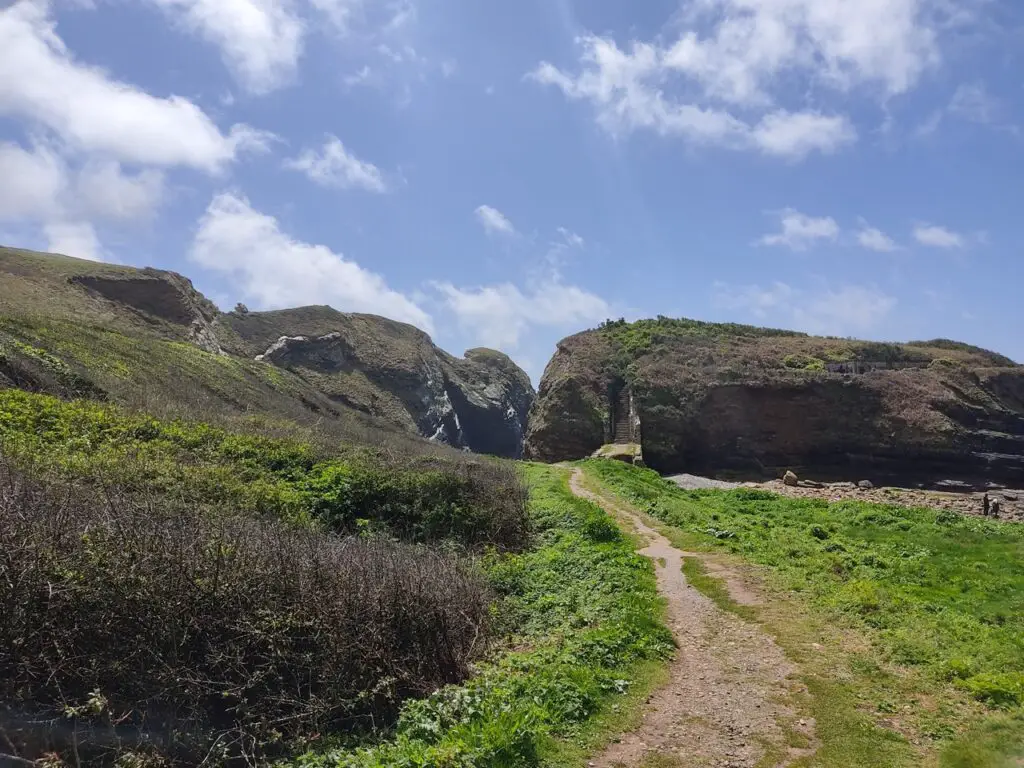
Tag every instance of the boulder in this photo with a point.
(791, 479)
(865, 485)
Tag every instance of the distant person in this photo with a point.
(995, 507)
(985, 505)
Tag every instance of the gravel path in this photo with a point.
(725, 704)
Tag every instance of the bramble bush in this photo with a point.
(583, 613)
(138, 625)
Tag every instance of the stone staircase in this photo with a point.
(622, 428)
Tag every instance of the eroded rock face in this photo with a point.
(394, 371)
(714, 399)
(159, 296)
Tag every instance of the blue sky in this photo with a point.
(504, 174)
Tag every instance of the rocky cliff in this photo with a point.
(393, 371)
(752, 402)
(149, 338)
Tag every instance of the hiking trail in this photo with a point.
(728, 701)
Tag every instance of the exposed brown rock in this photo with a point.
(753, 402)
(394, 371)
(159, 296)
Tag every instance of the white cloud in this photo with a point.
(43, 83)
(494, 221)
(723, 79)
(570, 238)
(260, 40)
(973, 102)
(104, 189)
(360, 77)
(844, 44)
(74, 238)
(38, 185)
(800, 231)
(796, 135)
(271, 270)
(848, 310)
(625, 87)
(499, 315)
(335, 166)
(937, 237)
(31, 182)
(875, 239)
(760, 301)
(339, 12)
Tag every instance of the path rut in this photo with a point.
(728, 702)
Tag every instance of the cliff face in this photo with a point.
(148, 337)
(725, 398)
(393, 371)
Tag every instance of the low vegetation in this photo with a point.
(940, 596)
(585, 627)
(140, 628)
(698, 345)
(427, 498)
(174, 592)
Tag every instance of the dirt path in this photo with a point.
(727, 701)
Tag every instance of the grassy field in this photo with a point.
(917, 615)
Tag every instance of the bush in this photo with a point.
(137, 626)
(585, 616)
(803, 363)
(1002, 690)
(478, 503)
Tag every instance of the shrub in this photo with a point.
(1002, 690)
(137, 626)
(585, 615)
(478, 503)
(803, 363)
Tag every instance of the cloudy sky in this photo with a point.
(506, 173)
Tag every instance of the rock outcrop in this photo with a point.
(394, 371)
(755, 402)
(158, 296)
(142, 334)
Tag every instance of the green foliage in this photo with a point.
(940, 592)
(803, 363)
(997, 689)
(936, 592)
(281, 478)
(642, 335)
(585, 609)
(959, 346)
(147, 618)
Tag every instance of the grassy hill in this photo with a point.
(147, 339)
(208, 558)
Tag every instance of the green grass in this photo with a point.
(587, 644)
(346, 491)
(939, 597)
